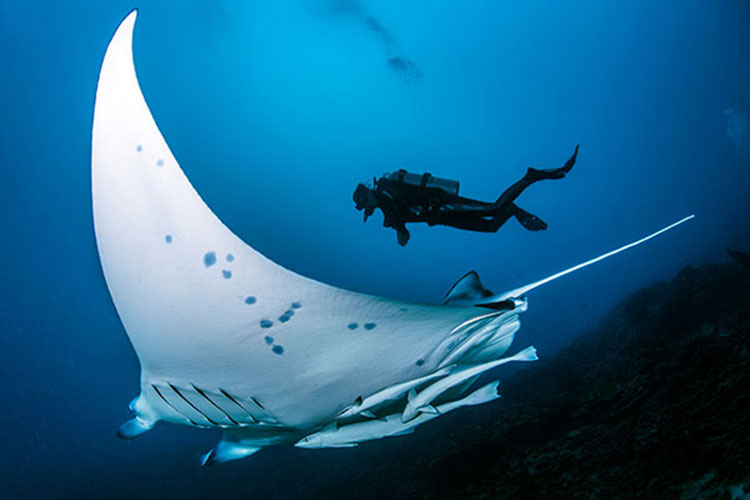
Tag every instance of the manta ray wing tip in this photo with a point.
(132, 14)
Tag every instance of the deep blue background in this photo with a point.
(277, 109)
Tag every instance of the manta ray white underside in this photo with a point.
(228, 339)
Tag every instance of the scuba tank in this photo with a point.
(424, 180)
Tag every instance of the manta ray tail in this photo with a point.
(518, 292)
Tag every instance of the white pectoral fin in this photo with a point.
(518, 292)
(226, 451)
(368, 414)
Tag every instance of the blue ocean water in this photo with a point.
(277, 110)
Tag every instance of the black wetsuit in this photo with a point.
(403, 203)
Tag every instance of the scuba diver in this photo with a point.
(405, 197)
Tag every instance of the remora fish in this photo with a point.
(421, 402)
(226, 338)
(349, 435)
(391, 393)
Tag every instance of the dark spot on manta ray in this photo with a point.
(159, 163)
(209, 259)
(230, 257)
(139, 148)
(266, 323)
(269, 340)
(277, 349)
(419, 362)
(352, 326)
(168, 238)
(370, 326)
(250, 300)
(296, 305)
(226, 274)
(286, 316)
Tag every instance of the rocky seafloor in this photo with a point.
(655, 403)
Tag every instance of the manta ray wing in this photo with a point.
(225, 336)
(228, 339)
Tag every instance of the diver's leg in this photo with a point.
(505, 201)
(489, 223)
(527, 220)
(492, 224)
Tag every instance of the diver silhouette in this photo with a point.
(405, 197)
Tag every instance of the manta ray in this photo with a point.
(228, 339)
